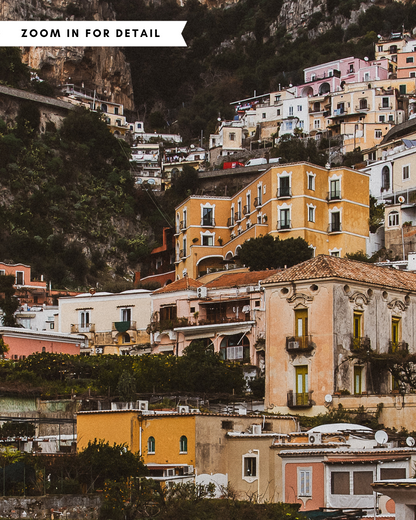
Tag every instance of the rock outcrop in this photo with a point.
(103, 69)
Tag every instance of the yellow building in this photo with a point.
(326, 207)
(176, 446)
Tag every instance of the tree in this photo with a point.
(376, 214)
(127, 386)
(266, 252)
(8, 303)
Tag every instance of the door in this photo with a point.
(358, 371)
(302, 388)
(301, 331)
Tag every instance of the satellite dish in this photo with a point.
(410, 441)
(381, 437)
(328, 398)
(401, 199)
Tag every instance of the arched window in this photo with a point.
(394, 218)
(183, 444)
(235, 348)
(385, 178)
(151, 445)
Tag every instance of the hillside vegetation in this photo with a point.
(235, 51)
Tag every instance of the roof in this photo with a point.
(179, 285)
(327, 267)
(238, 279)
(339, 427)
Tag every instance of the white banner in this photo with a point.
(91, 34)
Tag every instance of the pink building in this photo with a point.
(227, 311)
(24, 342)
(330, 76)
(406, 65)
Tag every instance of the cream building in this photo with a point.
(112, 323)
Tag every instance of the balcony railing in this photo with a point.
(257, 202)
(284, 192)
(231, 221)
(183, 224)
(246, 210)
(299, 343)
(207, 222)
(123, 326)
(238, 216)
(182, 253)
(77, 328)
(283, 225)
(360, 343)
(335, 227)
(398, 346)
(360, 108)
(223, 318)
(334, 195)
(303, 400)
(388, 107)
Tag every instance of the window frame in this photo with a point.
(253, 457)
(183, 444)
(304, 486)
(151, 445)
(406, 172)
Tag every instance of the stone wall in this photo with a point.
(51, 507)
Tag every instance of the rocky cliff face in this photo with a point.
(101, 68)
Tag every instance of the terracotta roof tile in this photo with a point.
(239, 279)
(323, 266)
(179, 285)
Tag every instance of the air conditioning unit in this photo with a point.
(251, 289)
(99, 350)
(183, 409)
(142, 405)
(293, 344)
(315, 438)
(256, 429)
(188, 470)
(202, 292)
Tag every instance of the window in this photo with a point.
(236, 347)
(351, 68)
(301, 327)
(362, 482)
(394, 218)
(402, 89)
(289, 125)
(379, 48)
(299, 108)
(317, 123)
(126, 314)
(304, 482)
(284, 219)
(125, 338)
(357, 329)
(378, 134)
(116, 111)
(335, 189)
(302, 387)
(232, 136)
(263, 115)
(412, 75)
(358, 372)
(409, 59)
(335, 225)
(250, 466)
(290, 111)
(311, 214)
(278, 112)
(84, 319)
(103, 107)
(381, 119)
(395, 333)
(207, 217)
(406, 172)
(391, 118)
(311, 182)
(340, 482)
(168, 313)
(259, 196)
(284, 187)
(183, 444)
(335, 253)
(207, 240)
(363, 104)
(2, 272)
(392, 473)
(151, 445)
(385, 102)
(20, 277)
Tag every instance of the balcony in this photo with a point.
(362, 108)
(239, 216)
(123, 326)
(81, 329)
(284, 192)
(335, 227)
(246, 210)
(182, 253)
(333, 195)
(231, 221)
(398, 346)
(299, 344)
(303, 400)
(385, 107)
(257, 202)
(182, 225)
(283, 225)
(207, 222)
(360, 344)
